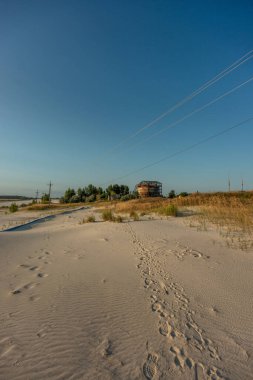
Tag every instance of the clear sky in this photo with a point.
(78, 78)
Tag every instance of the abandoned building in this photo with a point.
(149, 189)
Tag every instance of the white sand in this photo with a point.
(141, 300)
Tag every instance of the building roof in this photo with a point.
(149, 183)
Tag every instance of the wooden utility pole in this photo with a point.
(49, 191)
(242, 184)
(228, 184)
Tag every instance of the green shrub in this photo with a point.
(45, 198)
(170, 210)
(13, 207)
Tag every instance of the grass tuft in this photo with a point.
(90, 219)
(107, 216)
(118, 219)
(133, 214)
(168, 210)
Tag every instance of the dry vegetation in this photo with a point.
(108, 216)
(89, 219)
(231, 213)
(52, 206)
(233, 210)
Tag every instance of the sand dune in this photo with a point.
(153, 299)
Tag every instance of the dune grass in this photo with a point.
(168, 210)
(89, 219)
(229, 211)
(134, 215)
(108, 216)
(51, 206)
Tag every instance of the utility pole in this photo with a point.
(37, 195)
(242, 184)
(228, 184)
(49, 191)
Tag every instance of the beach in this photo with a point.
(148, 299)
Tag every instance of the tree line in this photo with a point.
(92, 193)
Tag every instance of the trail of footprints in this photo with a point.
(179, 327)
(33, 271)
(183, 251)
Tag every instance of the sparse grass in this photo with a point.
(145, 205)
(133, 214)
(52, 206)
(89, 219)
(231, 213)
(118, 219)
(232, 210)
(108, 216)
(168, 210)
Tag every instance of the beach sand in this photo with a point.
(151, 299)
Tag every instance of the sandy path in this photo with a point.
(139, 300)
(202, 294)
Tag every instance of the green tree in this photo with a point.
(68, 195)
(183, 194)
(45, 198)
(90, 190)
(172, 194)
(81, 195)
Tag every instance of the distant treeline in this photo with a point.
(14, 197)
(92, 193)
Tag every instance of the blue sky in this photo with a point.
(79, 77)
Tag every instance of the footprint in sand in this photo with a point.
(34, 268)
(42, 275)
(17, 291)
(34, 298)
(165, 328)
(180, 359)
(150, 366)
(28, 286)
(41, 257)
(106, 348)
(27, 266)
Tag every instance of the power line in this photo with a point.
(203, 141)
(202, 88)
(197, 110)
